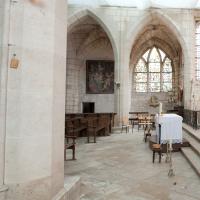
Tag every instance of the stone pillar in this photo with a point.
(124, 58)
(125, 93)
(4, 15)
(176, 75)
(189, 64)
(35, 100)
(188, 83)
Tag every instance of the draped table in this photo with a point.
(169, 128)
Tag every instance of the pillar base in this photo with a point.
(3, 188)
(71, 190)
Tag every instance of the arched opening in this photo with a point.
(90, 51)
(156, 62)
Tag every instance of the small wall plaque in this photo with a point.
(37, 2)
(14, 63)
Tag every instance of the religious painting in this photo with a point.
(99, 77)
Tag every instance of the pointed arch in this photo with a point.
(146, 20)
(164, 46)
(74, 19)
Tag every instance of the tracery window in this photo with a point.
(153, 72)
(197, 58)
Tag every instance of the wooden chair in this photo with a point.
(157, 148)
(147, 131)
(70, 143)
(133, 119)
(125, 126)
(142, 121)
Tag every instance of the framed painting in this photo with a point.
(99, 77)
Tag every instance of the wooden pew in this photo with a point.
(74, 126)
(95, 125)
(89, 124)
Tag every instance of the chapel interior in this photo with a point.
(99, 100)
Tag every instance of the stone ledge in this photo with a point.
(3, 188)
(192, 158)
(194, 133)
(71, 190)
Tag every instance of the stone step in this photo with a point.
(72, 186)
(71, 190)
(194, 143)
(192, 132)
(192, 157)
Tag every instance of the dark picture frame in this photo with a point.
(99, 77)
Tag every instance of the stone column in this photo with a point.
(35, 100)
(4, 26)
(125, 93)
(124, 58)
(176, 75)
(189, 66)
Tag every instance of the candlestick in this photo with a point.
(160, 108)
(170, 144)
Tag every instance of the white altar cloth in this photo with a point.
(171, 128)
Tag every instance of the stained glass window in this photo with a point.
(198, 50)
(145, 56)
(141, 76)
(153, 72)
(162, 54)
(141, 66)
(154, 56)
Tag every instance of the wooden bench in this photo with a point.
(87, 116)
(70, 143)
(74, 126)
(95, 125)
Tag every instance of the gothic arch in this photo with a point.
(137, 29)
(148, 44)
(74, 19)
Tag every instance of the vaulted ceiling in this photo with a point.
(142, 4)
(88, 33)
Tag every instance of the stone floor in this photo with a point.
(119, 167)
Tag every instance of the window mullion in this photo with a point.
(148, 76)
(161, 76)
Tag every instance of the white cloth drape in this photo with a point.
(171, 128)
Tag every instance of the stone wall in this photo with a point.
(141, 100)
(125, 25)
(83, 46)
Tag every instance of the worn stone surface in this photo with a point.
(120, 167)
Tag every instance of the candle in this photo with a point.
(170, 144)
(160, 108)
